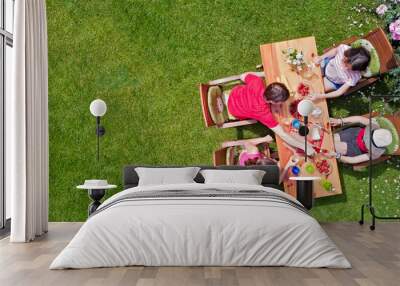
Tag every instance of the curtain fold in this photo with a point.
(27, 124)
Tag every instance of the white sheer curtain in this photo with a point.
(27, 124)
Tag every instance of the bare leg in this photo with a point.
(341, 147)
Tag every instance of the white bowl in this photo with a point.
(316, 112)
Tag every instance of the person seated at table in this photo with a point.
(253, 100)
(352, 144)
(251, 155)
(341, 69)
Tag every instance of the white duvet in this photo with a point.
(200, 231)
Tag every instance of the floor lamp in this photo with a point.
(370, 205)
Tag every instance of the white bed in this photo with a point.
(232, 230)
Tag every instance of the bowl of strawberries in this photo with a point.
(303, 89)
(323, 167)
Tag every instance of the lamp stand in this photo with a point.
(303, 131)
(100, 131)
(370, 205)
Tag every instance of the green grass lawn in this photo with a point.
(145, 59)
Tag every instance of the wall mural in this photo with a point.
(146, 59)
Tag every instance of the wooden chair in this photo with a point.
(396, 122)
(385, 52)
(225, 84)
(220, 155)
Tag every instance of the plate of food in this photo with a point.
(324, 167)
(317, 112)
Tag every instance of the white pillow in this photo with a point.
(248, 177)
(166, 176)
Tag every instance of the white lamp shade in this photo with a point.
(98, 107)
(305, 107)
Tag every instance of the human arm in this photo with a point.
(292, 141)
(351, 119)
(254, 141)
(355, 159)
(258, 74)
(336, 93)
(251, 144)
(331, 53)
(357, 119)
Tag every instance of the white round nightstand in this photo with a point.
(96, 190)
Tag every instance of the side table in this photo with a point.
(304, 190)
(96, 190)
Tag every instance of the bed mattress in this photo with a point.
(201, 225)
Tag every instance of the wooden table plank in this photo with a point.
(276, 69)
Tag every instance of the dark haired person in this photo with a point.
(341, 68)
(252, 100)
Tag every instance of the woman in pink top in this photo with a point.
(341, 68)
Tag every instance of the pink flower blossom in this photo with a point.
(394, 29)
(381, 9)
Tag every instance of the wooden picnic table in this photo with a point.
(277, 69)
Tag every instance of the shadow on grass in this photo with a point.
(342, 107)
(257, 130)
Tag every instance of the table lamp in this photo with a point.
(304, 108)
(98, 108)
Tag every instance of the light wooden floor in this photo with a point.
(375, 257)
